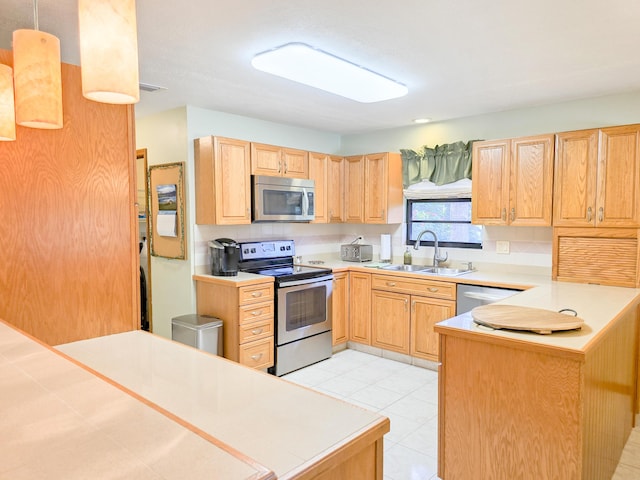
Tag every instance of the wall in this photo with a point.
(68, 240)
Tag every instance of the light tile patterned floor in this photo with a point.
(408, 395)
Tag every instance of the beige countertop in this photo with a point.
(61, 421)
(597, 305)
(282, 426)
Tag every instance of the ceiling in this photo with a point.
(458, 58)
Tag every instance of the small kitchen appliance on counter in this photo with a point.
(225, 255)
(355, 252)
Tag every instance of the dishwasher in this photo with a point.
(471, 296)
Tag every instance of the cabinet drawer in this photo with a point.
(255, 312)
(256, 330)
(258, 354)
(412, 286)
(255, 293)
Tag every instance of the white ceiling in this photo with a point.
(457, 57)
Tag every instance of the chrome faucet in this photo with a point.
(436, 251)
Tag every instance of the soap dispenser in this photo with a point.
(407, 257)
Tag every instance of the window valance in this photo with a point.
(440, 165)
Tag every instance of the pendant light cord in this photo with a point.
(35, 14)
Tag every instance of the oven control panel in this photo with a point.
(267, 249)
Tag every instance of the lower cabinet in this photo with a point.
(247, 314)
(404, 311)
(360, 307)
(340, 308)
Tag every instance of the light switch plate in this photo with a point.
(502, 246)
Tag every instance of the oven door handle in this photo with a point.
(295, 283)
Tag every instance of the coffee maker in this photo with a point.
(225, 254)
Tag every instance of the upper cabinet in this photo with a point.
(597, 178)
(223, 182)
(279, 161)
(373, 188)
(328, 173)
(513, 181)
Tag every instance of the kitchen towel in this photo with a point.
(385, 247)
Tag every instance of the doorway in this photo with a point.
(142, 202)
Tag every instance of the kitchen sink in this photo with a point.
(406, 268)
(444, 271)
(449, 272)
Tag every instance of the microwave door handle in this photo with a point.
(305, 202)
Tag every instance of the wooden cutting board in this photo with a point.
(525, 318)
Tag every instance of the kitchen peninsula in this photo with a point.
(523, 405)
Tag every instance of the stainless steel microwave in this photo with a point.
(282, 199)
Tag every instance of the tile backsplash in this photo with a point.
(528, 246)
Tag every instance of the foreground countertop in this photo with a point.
(61, 421)
(283, 426)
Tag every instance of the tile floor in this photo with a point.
(408, 395)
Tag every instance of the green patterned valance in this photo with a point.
(441, 164)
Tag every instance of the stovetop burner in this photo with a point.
(275, 258)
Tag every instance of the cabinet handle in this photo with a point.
(256, 357)
(383, 217)
(504, 214)
(286, 167)
(513, 214)
(406, 304)
(589, 214)
(433, 289)
(601, 214)
(413, 305)
(280, 166)
(256, 294)
(255, 313)
(257, 331)
(391, 284)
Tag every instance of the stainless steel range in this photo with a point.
(303, 303)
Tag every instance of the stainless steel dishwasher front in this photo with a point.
(471, 296)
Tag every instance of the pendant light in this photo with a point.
(37, 77)
(7, 108)
(109, 50)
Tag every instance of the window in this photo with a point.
(449, 218)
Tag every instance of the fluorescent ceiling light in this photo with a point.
(308, 65)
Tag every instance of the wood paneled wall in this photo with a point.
(69, 263)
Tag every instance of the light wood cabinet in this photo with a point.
(597, 178)
(223, 182)
(278, 161)
(390, 321)
(360, 307)
(373, 188)
(513, 181)
(340, 308)
(318, 172)
(335, 189)
(404, 312)
(247, 313)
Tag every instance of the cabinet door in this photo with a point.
(575, 172)
(340, 308)
(360, 307)
(531, 181)
(425, 313)
(354, 189)
(335, 189)
(295, 163)
(266, 160)
(318, 171)
(233, 182)
(618, 177)
(490, 186)
(390, 321)
(375, 187)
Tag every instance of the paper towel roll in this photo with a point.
(385, 247)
